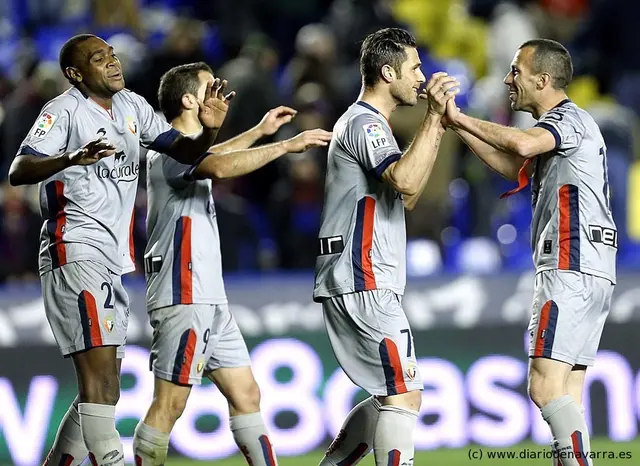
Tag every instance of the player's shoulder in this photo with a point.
(566, 109)
(131, 98)
(68, 102)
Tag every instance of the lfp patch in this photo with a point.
(44, 124)
(376, 135)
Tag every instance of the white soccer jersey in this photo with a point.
(183, 261)
(362, 244)
(572, 227)
(88, 210)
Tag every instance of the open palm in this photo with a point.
(214, 106)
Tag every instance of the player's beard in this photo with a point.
(406, 97)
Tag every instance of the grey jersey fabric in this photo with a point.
(88, 210)
(362, 243)
(183, 260)
(572, 226)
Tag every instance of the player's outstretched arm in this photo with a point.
(32, 169)
(522, 143)
(242, 162)
(270, 124)
(212, 112)
(409, 174)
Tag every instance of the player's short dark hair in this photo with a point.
(68, 52)
(384, 47)
(551, 57)
(175, 83)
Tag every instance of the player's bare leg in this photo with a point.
(151, 438)
(548, 389)
(393, 440)
(240, 389)
(98, 374)
(68, 447)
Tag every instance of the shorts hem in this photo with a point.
(72, 349)
(411, 387)
(556, 357)
(169, 378)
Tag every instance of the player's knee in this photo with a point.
(170, 407)
(245, 398)
(543, 389)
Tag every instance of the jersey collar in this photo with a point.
(372, 108)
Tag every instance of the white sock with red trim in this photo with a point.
(393, 440)
(569, 431)
(252, 439)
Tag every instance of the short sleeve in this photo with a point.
(155, 132)
(374, 146)
(565, 125)
(179, 175)
(50, 133)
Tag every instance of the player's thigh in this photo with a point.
(79, 305)
(599, 303)
(566, 309)
(227, 346)
(371, 338)
(181, 335)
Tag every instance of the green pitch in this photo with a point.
(460, 457)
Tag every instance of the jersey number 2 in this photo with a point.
(108, 303)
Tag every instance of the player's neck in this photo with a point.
(549, 102)
(187, 124)
(102, 100)
(383, 103)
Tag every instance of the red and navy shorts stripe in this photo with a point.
(182, 279)
(89, 320)
(392, 367)
(569, 228)
(362, 246)
(184, 358)
(546, 332)
(56, 220)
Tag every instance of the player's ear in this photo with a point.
(189, 101)
(543, 80)
(73, 74)
(388, 73)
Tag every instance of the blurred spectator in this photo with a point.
(606, 47)
(19, 236)
(23, 106)
(298, 196)
(183, 44)
(118, 14)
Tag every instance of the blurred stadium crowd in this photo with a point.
(304, 53)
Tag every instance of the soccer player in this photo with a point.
(194, 332)
(84, 148)
(360, 269)
(573, 234)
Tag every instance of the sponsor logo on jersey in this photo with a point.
(199, 366)
(132, 125)
(121, 171)
(44, 124)
(376, 135)
(412, 371)
(604, 235)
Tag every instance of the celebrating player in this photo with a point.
(360, 270)
(194, 332)
(84, 147)
(573, 234)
